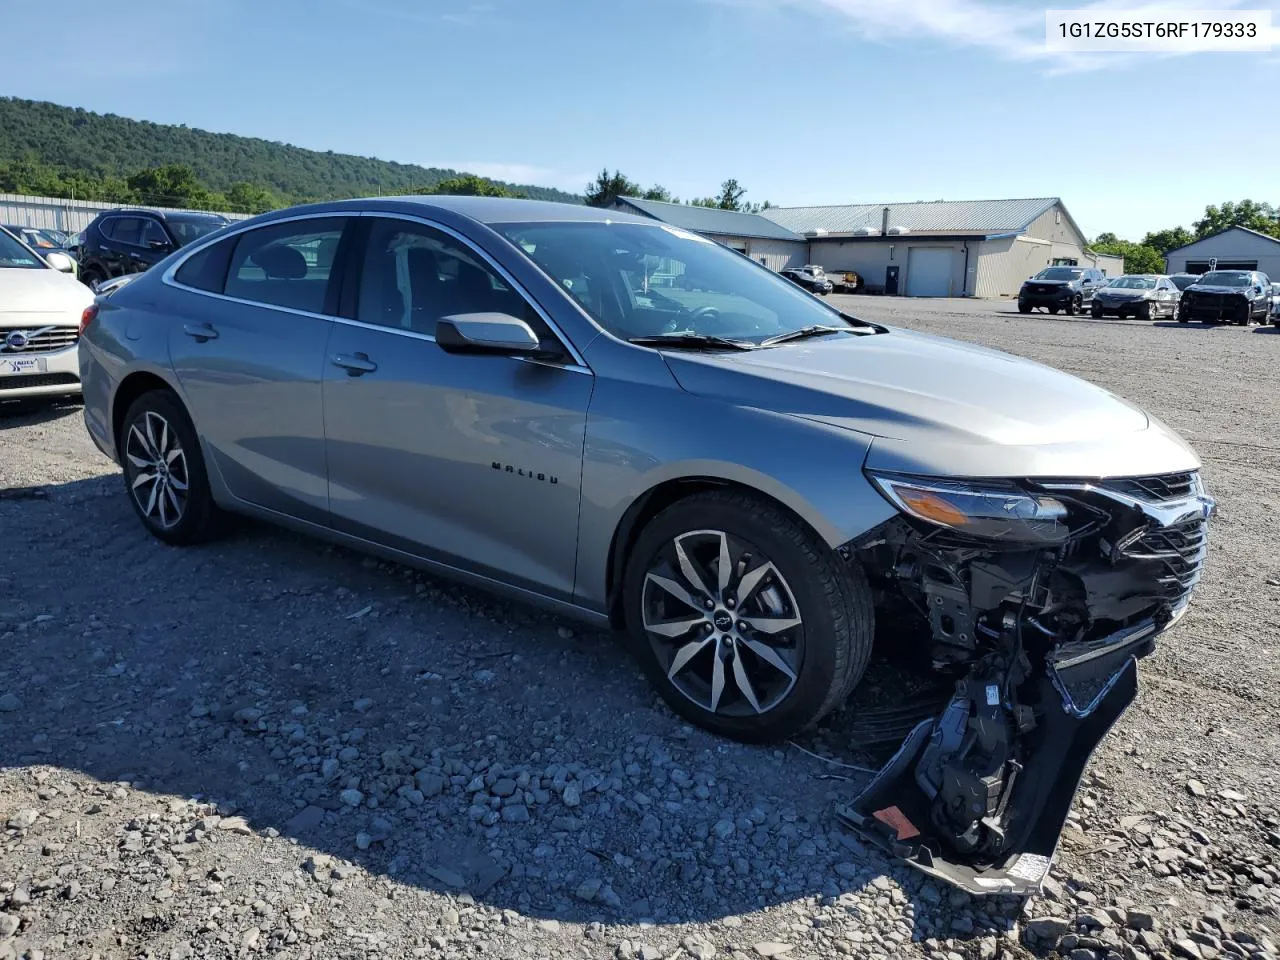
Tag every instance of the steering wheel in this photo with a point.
(705, 313)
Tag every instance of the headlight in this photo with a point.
(988, 509)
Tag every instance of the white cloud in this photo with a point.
(1010, 30)
(524, 173)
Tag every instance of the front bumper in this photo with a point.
(1121, 308)
(1214, 308)
(1055, 298)
(54, 373)
(1045, 643)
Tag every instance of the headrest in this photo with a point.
(280, 262)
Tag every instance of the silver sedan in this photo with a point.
(745, 482)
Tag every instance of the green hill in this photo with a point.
(47, 145)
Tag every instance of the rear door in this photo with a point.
(249, 352)
(121, 236)
(472, 461)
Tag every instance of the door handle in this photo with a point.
(201, 331)
(354, 363)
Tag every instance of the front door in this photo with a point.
(473, 461)
(250, 360)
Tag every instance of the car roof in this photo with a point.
(486, 210)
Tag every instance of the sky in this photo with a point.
(801, 101)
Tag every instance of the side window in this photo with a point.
(207, 270)
(125, 230)
(413, 275)
(153, 233)
(285, 264)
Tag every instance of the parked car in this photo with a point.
(1060, 288)
(742, 478)
(1227, 296)
(1183, 280)
(845, 281)
(1144, 296)
(42, 243)
(810, 278)
(41, 306)
(119, 242)
(1275, 304)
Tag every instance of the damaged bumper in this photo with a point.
(1044, 642)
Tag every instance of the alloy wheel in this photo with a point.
(723, 623)
(157, 467)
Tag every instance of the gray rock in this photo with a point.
(504, 787)
(431, 784)
(1136, 919)
(352, 798)
(723, 829)
(1047, 930)
(308, 818)
(551, 926)
(1187, 949)
(9, 703)
(698, 948)
(516, 813)
(571, 795)
(772, 948)
(362, 705)
(9, 924)
(589, 889)
(23, 819)
(1196, 788)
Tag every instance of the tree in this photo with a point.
(660, 193)
(468, 185)
(608, 187)
(1138, 258)
(731, 195)
(1246, 213)
(245, 197)
(173, 185)
(1166, 240)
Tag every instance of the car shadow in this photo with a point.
(1269, 328)
(429, 733)
(1190, 325)
(38, 410)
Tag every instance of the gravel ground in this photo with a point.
(268, 746)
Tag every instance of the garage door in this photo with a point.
(929, 272)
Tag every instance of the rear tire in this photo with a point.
(164, 471)
(1024, 308)
(90, 276)
(1095, 311)
(787, 652)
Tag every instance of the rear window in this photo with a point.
(207, 270)
(286, 264)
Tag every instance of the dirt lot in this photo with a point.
(270, 747)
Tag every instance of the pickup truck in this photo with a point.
(842, 281)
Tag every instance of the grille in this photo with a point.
(1171, 486)
(24, 380)
(1181, 548)
(50, 340)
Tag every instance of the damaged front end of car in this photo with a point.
(1039, 596)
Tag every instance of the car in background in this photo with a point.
(1144, 296)
(120, 242)
(845, 281)
(1227, 296)
(1183, 280)
(1275, 304)
(1062, 288)
(41, 306)
(39, 241)
(810, 278)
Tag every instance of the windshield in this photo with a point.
(14, 254)
(186, 230)
(1183, 282)
(1135, 283)
(1059, 273)
(1225, 278)
(638, 280)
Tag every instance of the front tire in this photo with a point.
(164, 471)
(1024, 308)
(746, 622)
(1095, 311)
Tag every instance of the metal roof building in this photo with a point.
(955, 248)
(755, 236)
(1236, 248)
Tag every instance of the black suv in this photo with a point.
(1227, 296)
(120, 242)
(1060, 288)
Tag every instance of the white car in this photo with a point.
(41, 304)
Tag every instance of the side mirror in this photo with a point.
(486, 333)
(60, 262)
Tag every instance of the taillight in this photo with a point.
(90, 314)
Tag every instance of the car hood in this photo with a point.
(1215, 288)
(939, 406)
(40, 292)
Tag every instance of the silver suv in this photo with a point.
(743, 480)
